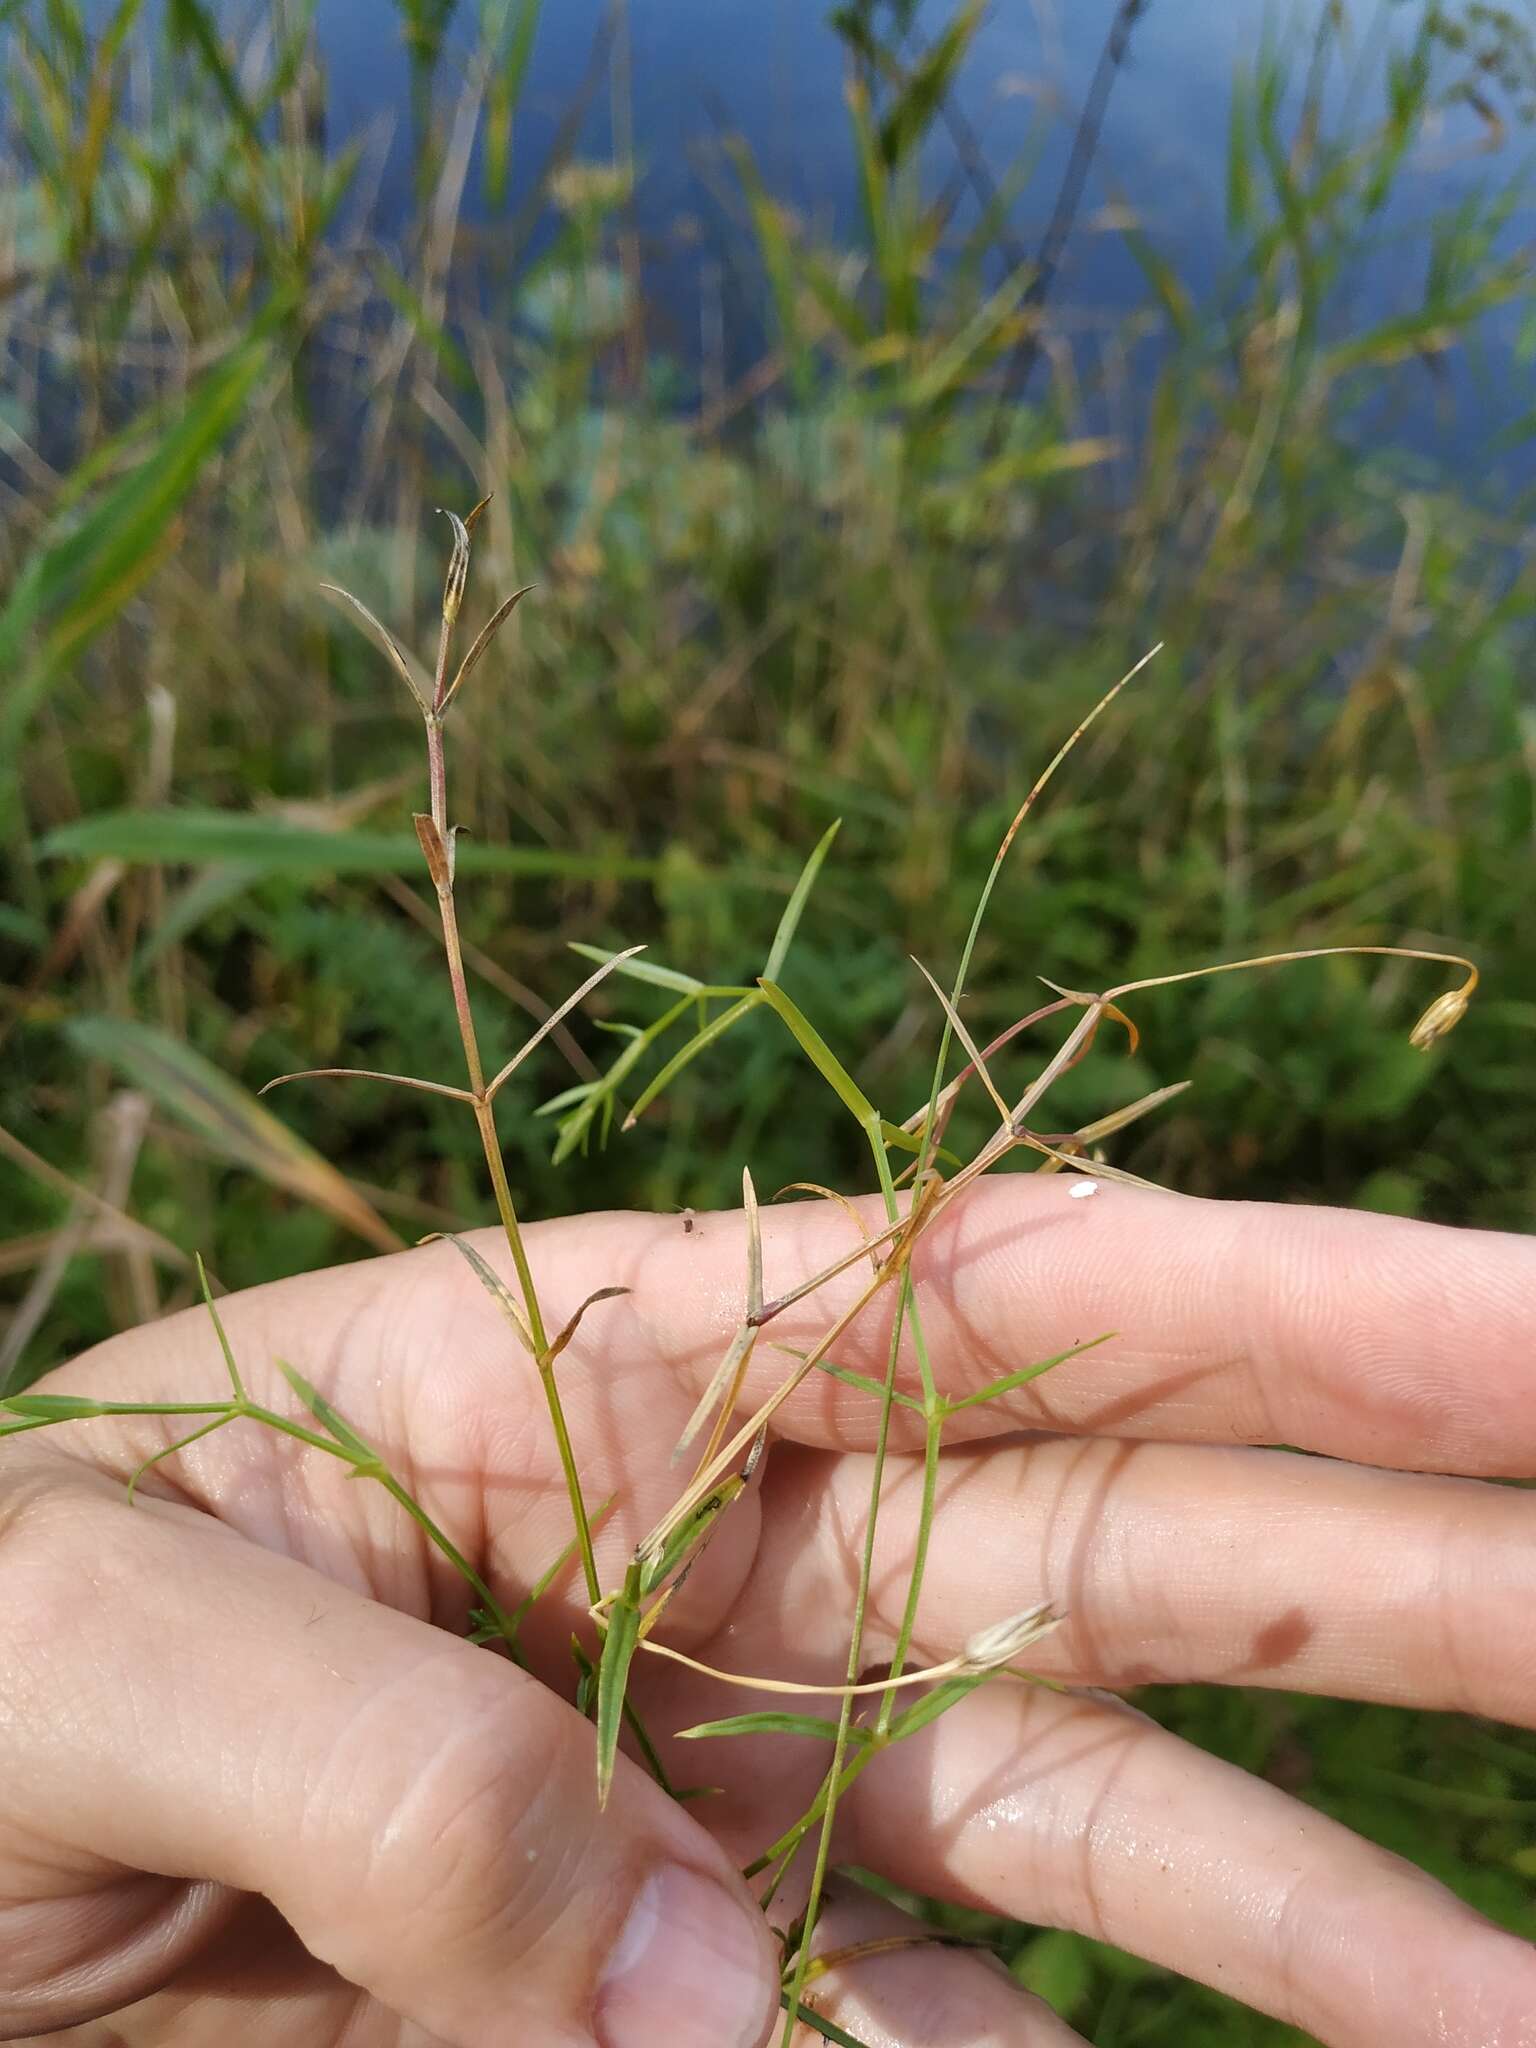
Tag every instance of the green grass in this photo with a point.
(863, 586)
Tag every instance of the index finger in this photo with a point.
(1368, 1337)
(1389, 1342)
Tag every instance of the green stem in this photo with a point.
(933, 1434)
(218, 1413)
(182, 1443)
(450, 1550)
(485, 1117)
(784, 1848)
(833, 1783)
(490, 1145)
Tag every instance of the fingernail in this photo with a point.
(691, 1968)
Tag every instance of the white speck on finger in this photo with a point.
(1080, 1190)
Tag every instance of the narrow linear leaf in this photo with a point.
(191, 21)
(182, 1443)
(956, 362)
(548, 1576)
(601, 1095)
(567, 1098)
(821, 1055)
(76, 1408)
(366, 1074)
(725, 1386)
(754, 1245)
(935, 1703)
(655, 1564)
(923, 90)
(1023, 1377)
(612, 1683)
(715, 1028)
(722, 1380)
(273, 845)
(219, 1331)
(565, 1336)
(221, 883)
(972, 1050)
(863, 1382)
(789, 923)
(1118, 1119)
(829, 2030)
(1088, 1169)
(780, 254)
(495, 1286)
(770, 1724)
(404, 666)
(78, 580)
(99, 557)
(51, 1407)
(908, 1141)
(503, 95)
(334, 1425)
(648, 971)
(558, 1016)
(423, 322)
(483, 639)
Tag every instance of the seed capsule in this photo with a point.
(1442, 1017)
(1003, 1641)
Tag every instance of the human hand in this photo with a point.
(252, 1794)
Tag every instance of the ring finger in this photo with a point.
(1080, 1813)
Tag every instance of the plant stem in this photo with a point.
(485, 1120)
(904, 1305)
(437, 775)
(933, 1418)
(450, 1550)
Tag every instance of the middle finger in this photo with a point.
(1181, 1563)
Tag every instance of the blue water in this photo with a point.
(772, 71)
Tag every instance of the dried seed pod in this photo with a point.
(1442, 1017)
(458, 567)
(1003, 1641)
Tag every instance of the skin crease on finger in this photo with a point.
(254, 1982)
(1238, 1311)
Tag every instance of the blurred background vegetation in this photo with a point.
(852, 460)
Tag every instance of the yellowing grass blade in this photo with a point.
(227, 1118)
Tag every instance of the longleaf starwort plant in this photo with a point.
(920, 1179)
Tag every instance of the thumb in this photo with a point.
(423, 1814)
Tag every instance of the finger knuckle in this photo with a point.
(477, 1837)
(47, 1560)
